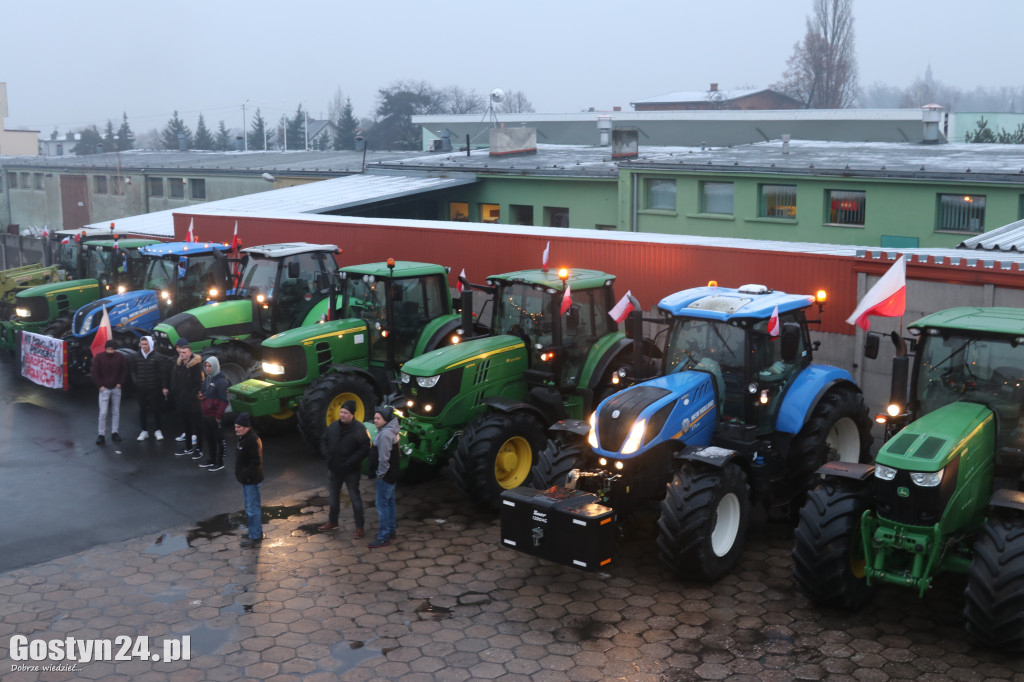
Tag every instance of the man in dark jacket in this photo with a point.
(249, 472)
(345, 444)
(149, 374)
(186, 382)
(109, 372)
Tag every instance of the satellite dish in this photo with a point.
(497, 94)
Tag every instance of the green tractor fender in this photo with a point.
(509, 406)
(601, 356)
(436, 332)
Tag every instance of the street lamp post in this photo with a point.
(245, 136)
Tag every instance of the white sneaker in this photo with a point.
(181, 438)
(143, 436)
(194, 439)
(159, 435)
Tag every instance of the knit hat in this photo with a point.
(110, 344)
(183, 343)
(386, 411)
(243, 420)
(349, 406)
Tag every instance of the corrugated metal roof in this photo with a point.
(1006, 238)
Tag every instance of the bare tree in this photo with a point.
(516, 102)
(822, 72)
(459, 101)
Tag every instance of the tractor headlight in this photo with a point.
(406, 378)
(893, 410)
(926, 480)
(428, 382)
(121, 289)
(592, 436)
(22, 312)
(87, 323)
(635, 438)
(165, 295)
(885, 473)
(273, 368)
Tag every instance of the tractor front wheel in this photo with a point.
(323, 399)
(496, 452)
(995, 585)
(704, 519)
(555, 461)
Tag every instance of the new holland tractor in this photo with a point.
(740, 416)
(386, 313)
(486, 404)
(945, 491)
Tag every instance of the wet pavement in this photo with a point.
(446, 602)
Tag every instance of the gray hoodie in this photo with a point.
(385, 439)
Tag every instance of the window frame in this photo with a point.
(656, 193)
(155, 186)
(704, 197)
(100, 185)
(831, 200)
(176, 188)
(763, 211)
(197, 189)
(976, 207)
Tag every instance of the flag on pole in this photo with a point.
(191, 237)
(623, 308)
(887, 298)
(544, 258)
(458, 282)
(566, 299)
(103, 334)
(46, 232)
(773, 323)
(235, 241)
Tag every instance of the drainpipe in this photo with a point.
(634, 208)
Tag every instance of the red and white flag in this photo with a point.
(566, 300)
(887, 298)
(458, 282)
(235, 241)
(191, 236)
(623, 308)
(46, 232)
(544, 258)
(103, 334)
(773, 323)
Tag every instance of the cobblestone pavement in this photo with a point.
(446, 602)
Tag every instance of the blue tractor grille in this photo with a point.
(612, 431)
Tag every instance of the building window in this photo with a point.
(37, 180)
(458, 211)
(659, 194)
(12, 180)
(490, 213)
(555, 216)
(962, 212)
(177, 187)
(716, 197)
(117, 185)
(777, 201)
(521, 215)
(197, 188)
(99, 184)
(26, 181)
(846, 207)
(156, 186)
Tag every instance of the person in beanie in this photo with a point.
(149, 374)
(345, 444)
(249, 472)
(213, 402)
(186, 382)
(387, 455)
(109, 372)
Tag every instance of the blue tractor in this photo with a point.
(739, 416)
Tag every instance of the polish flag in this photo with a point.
(623, 308)
(544, 258)
(566, 299)
(46, 232)
(103, 334)
(458, 283)
(773, 323)
(191, 237)
(235, 241)
(887, 298)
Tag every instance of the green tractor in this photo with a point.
(945, 491)
(387, 313)
(486, 404)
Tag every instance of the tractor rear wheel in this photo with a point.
(704, 519)
(58, 329)
(828, 556)
(994, 608)
(323, 400)
(555, 461)
(496, 452)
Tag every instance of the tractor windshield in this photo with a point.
(984, 370)
(524, 311)
(710, 346)
(97, 262)
(259, 277)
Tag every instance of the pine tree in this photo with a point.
(203, 138)
(88, 139)
(297, 129)
(983, 134)
(125, 136)
(345, 128)
(109, 140)
(257, 138)
(225, 142)
(169, 135)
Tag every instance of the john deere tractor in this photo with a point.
(946, 491)
(386, 314)
(486, 403)
(740, 416)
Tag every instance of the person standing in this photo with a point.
(386, 454)
(109, 372)
(249, 472)
(149, 374)
(345, 444)
(186, 382)
(213, 401)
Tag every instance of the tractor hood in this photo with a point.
(934, 440)
(465, 354)
(224, 318)
(54, 288)
(309, 334)
(132, 309)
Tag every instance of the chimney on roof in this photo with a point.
(604, 128)
(625, 143)
(931, 114)
(714, 87)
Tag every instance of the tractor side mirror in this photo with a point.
(294, 270)
(871, 343)
(790, 341)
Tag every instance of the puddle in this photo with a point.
(428, 610)
(206, 640)
(236, 608)
(351, 654)
(166, 543)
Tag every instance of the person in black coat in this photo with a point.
(186, 383)
(249, 472)
(150, 376)
(345, 444)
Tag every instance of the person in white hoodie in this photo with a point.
(150, 374)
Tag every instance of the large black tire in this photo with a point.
(994, 608)
(828, 555)
(496, 452)
(58, 329)
(237, 363)
(323, 400)
(704, 519)
(555, 461)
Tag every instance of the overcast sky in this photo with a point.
(68, 64)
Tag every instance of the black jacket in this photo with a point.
(249, 459)
(345, 446)
(150, 373)
(186, 382)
